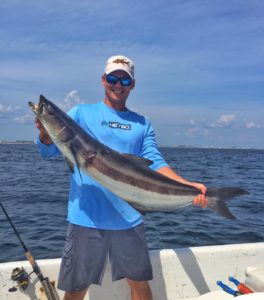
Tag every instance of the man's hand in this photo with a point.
(200, 200)
(43, 135)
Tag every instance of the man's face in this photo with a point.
(117, 93)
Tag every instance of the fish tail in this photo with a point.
(217, 198)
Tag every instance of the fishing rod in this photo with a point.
(45, 282)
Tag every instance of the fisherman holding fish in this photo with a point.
(101, 224)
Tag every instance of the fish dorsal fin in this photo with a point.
(138, 159)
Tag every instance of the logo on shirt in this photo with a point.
(116, 125)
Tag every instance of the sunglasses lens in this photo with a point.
(112, 79)
(126, 81)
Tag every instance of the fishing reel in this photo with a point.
(21, 277)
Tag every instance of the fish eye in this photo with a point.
(50, 111)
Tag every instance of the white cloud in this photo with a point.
(71, 99)
(251, 125)
(226, 120)
(24, 119)
(9, 109)
(197, 131)
(192, 131)
(14, 113)
(4, 108)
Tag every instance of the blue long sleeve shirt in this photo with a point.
(90, 204)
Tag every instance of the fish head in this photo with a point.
(51, 117)
(44, 109)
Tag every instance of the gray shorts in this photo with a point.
(86, 252)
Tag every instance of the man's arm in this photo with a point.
(150, 151)
(200, 200)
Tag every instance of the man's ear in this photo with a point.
(133, 84)
(103, 80)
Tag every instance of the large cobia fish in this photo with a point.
(125, 175)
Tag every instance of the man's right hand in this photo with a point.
(43, 135)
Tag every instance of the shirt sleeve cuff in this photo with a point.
(47, 150)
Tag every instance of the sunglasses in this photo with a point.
(112, 79)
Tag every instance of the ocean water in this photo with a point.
(34, 192)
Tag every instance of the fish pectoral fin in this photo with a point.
(70, 164)
(71, 167)
(138, 159)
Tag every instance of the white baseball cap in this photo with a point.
(120, 62)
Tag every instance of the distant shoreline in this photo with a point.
(3, 142)
(29, 142)
(209, 147)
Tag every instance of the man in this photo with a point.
(102, 225)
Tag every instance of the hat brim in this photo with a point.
(111, 70)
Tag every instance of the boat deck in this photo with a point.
(185, 273)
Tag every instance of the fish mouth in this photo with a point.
(37, 108)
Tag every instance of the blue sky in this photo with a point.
(199, 64)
